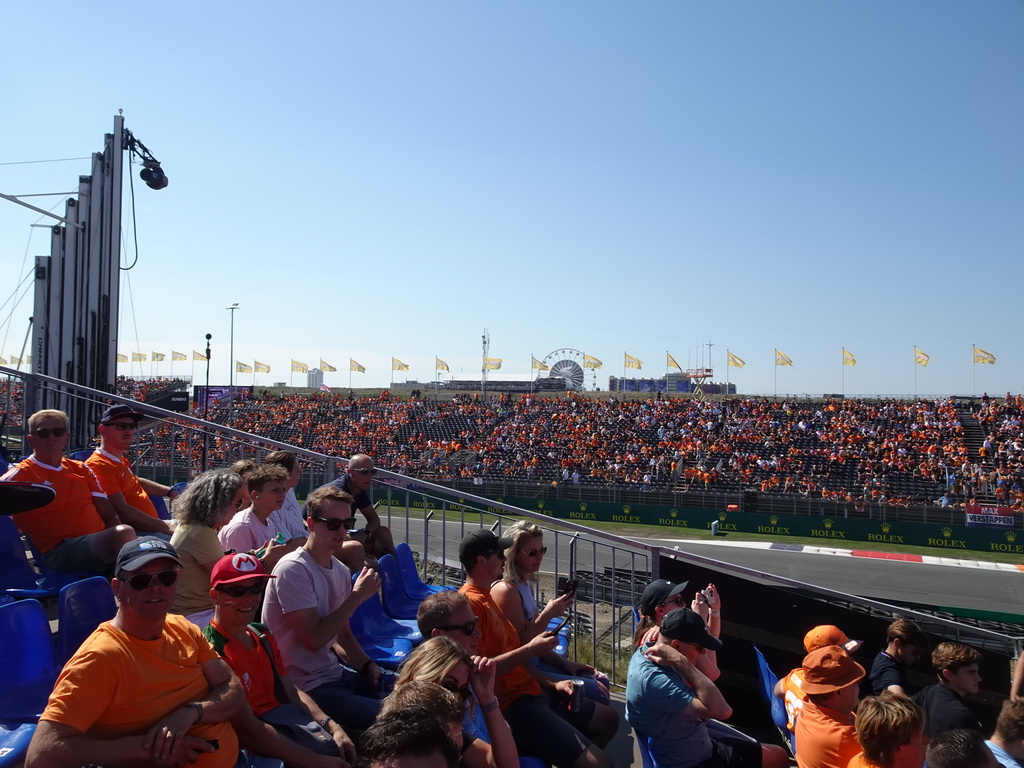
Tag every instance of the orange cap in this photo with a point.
(829, 634)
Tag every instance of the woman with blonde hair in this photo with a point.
(208, 503)
(514, 594)
(442, 661)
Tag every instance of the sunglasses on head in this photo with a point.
(122, 425)
(676, 601)
(236, 590)
(535, 552)
(334, 523)
(45, 433)
(467, 629)
(140, 581)
(364, 470)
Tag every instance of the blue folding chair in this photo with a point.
(397, 604)
(28, 660)
(161, 506)
(17, 578)
(414, 586)
(766, 685)
(81, 607)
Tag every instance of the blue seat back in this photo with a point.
(397, 603)
(16, 575)
(28, 661)
(82, 455)
(160, 505)
(645, 752)
(81, 607)
(412, 583)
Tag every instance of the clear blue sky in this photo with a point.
(390, 178)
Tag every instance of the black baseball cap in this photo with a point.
(686, 626)
(145, 549)
(476, 543)
(120, 411)
(656, 593)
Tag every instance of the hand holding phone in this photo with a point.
(560, 626)
(570, 586)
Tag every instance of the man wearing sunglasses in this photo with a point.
(277, 721)
(145, 688)
(128, 494)
(534, 704)
(79, 530)
(375, 538)
(307, 608)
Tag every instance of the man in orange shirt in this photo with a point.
(790, 688)
(78, 530)
(145, 688)
(825, 736)
(128, 494)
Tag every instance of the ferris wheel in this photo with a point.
(566, 364)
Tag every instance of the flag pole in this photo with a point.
(974, 372)
(915, 371)
(842, 364)
(728, 359)
(776, 372)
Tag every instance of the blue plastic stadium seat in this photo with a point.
(81, 608)
(766, 685)
(397, 604)
(379, 624)
(17, 578)
(161, 506)
(14, 741)
(82, 455)
(412, 583)
(28, 660)
(645, 752)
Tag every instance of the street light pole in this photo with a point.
(231, 368)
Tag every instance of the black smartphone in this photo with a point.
(560, 627)
(570, 586)
(215, 743)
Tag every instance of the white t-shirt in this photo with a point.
(288, 519)
(301, 583)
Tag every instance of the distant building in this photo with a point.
(314, 378)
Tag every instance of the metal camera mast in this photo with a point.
(77, 287)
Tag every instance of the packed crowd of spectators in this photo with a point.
(896, 452)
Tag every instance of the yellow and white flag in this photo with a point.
(28, 360)
(17, 360)
(158, 357)
(670, 362)
(440, 365)
(398, 365)
(138, 357)
(633, 362)
(848, 358)
(242, 367)
(198, 355)
(298, 367)
(735, 362)
(120, 358)
(921, 358)
(591, 362)
(260, 367)
(3, 360)
(781, 359)
(327, 367)
(492, 363)
(354, 366)
(177, 357)
(539, 365)
(981, 356)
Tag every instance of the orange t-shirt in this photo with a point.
(498, 636)
(116, 476)
(71, 513)
(118, 685)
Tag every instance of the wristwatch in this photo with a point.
(197, 707)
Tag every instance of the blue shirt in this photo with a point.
(657, 704)
(1005, 758)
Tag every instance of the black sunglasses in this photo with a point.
(236, 590)
(535, 552)
(460, 690)
(45, 433)
(467, 629)
(140, 581)
(334, 523)
(122, 425)
(364, 470)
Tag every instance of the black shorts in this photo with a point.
(733, 753)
